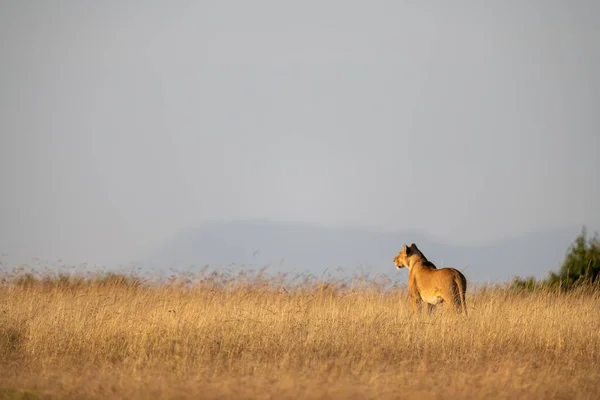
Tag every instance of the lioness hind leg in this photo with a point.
(430, 308)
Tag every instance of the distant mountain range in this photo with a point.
(295, 248)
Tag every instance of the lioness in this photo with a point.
(429, 284)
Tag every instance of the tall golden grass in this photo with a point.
(117, 338)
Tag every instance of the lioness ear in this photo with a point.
(407, 250)
(414, 246)
(404, 248)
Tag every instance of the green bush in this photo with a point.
(581, 266)
(582, 263)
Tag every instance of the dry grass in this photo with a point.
(255, 340)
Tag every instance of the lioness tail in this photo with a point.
(461, 282)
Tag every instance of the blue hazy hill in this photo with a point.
(295, 248)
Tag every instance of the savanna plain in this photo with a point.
(242, 338)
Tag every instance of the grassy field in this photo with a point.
(255, 339)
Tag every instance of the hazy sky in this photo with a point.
(124, 122)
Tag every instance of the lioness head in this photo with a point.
(401, 260)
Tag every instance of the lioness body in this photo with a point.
(428, 284)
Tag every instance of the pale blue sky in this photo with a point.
(124, 122)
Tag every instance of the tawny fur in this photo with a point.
(430, 285)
